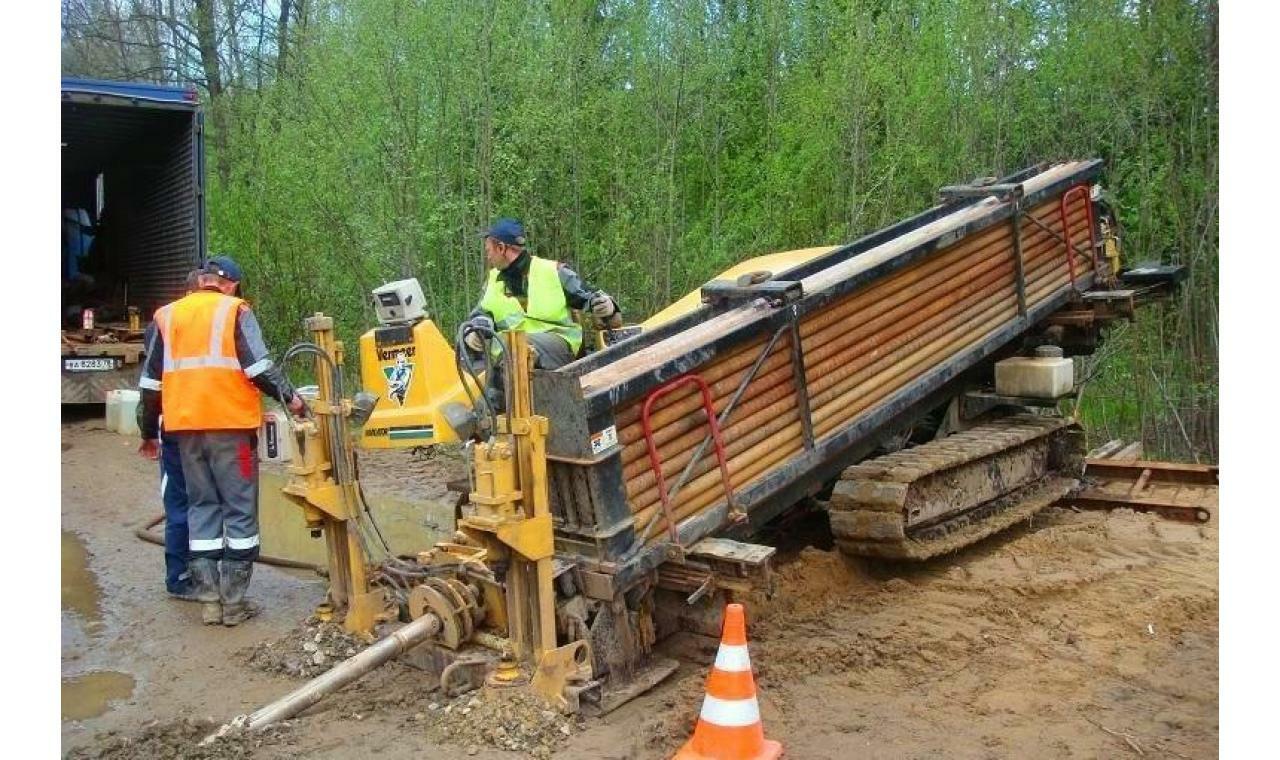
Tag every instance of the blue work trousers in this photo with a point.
(173, 491)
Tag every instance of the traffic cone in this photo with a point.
(729, 725)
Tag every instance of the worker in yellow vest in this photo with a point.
(533, 295)
(206, 362)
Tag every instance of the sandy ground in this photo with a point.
(1080, 635)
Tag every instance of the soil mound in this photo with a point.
(305, 652)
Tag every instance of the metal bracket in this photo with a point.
(798, 376)
(1020, 274)
(561, 673)
(999, 191)
(727, 294)
(473, 669)
(1154, 274)
(974, 404)
(532, 538)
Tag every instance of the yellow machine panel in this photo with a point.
(411, 369)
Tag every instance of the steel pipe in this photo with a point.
(393, 645)
(867, 304)
(704, 497)
(639, 481)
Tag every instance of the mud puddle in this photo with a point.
(408, 526)
(81, 594)
(85, 695)
(89, 695)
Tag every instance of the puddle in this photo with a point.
(408, 527)
(80, 591)
(89, 695)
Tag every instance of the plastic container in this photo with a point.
(275, 438)
(113, 411)
(127, 412)
(1045, 375)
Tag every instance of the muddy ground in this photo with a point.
(1079, 635)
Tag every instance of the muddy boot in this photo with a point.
(235, 582)
(204, 586)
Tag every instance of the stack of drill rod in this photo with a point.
(938, 294)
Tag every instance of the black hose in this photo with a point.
(145, 534)
(459, 351)
(337, 437)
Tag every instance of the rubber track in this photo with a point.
(967, 528)
(897, 473)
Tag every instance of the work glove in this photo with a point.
(470, 334)
(602, 305)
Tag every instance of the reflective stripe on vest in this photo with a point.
(545, 310)
(204, 386)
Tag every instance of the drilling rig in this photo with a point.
(914, 384)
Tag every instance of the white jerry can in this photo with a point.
(127, 412)
(113, 411)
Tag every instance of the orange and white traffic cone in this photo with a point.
(729, 725)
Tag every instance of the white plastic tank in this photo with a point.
(1046, 375)
(113, 411)
(127, 412)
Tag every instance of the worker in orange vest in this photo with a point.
(211, 361)
(173, 487)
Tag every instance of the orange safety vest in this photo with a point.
(204, 386)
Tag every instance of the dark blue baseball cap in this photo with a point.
(506, 230)
(225, 267)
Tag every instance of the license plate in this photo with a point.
(90, 365)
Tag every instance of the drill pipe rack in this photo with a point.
(864, 339)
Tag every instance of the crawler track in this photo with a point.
(939, 497)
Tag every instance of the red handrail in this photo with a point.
(1066, 229)
(655, 459)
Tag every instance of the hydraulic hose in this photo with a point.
(462, 365)
(145, 534)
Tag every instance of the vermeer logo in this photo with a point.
(386, 354)
(399, 376)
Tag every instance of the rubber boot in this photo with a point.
(204, 583)
(235, 583)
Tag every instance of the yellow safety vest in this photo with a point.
(205, 387)
(546, 309)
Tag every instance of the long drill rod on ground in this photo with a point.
(340, 675)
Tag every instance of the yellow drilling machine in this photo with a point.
(911, 385)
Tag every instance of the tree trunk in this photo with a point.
(207, 41)
(282, 39)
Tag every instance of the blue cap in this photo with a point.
(506, 230)
(224, 267)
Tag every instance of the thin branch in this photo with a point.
(1126, 738)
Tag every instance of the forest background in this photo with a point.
(653, 144)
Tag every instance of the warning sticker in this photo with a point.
(604, 440)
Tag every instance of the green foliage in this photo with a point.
(654, 143)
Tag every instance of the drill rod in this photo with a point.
(344, 673)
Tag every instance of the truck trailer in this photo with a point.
(133, 223)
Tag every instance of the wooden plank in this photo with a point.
(1197, 511)
(1160, 471)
